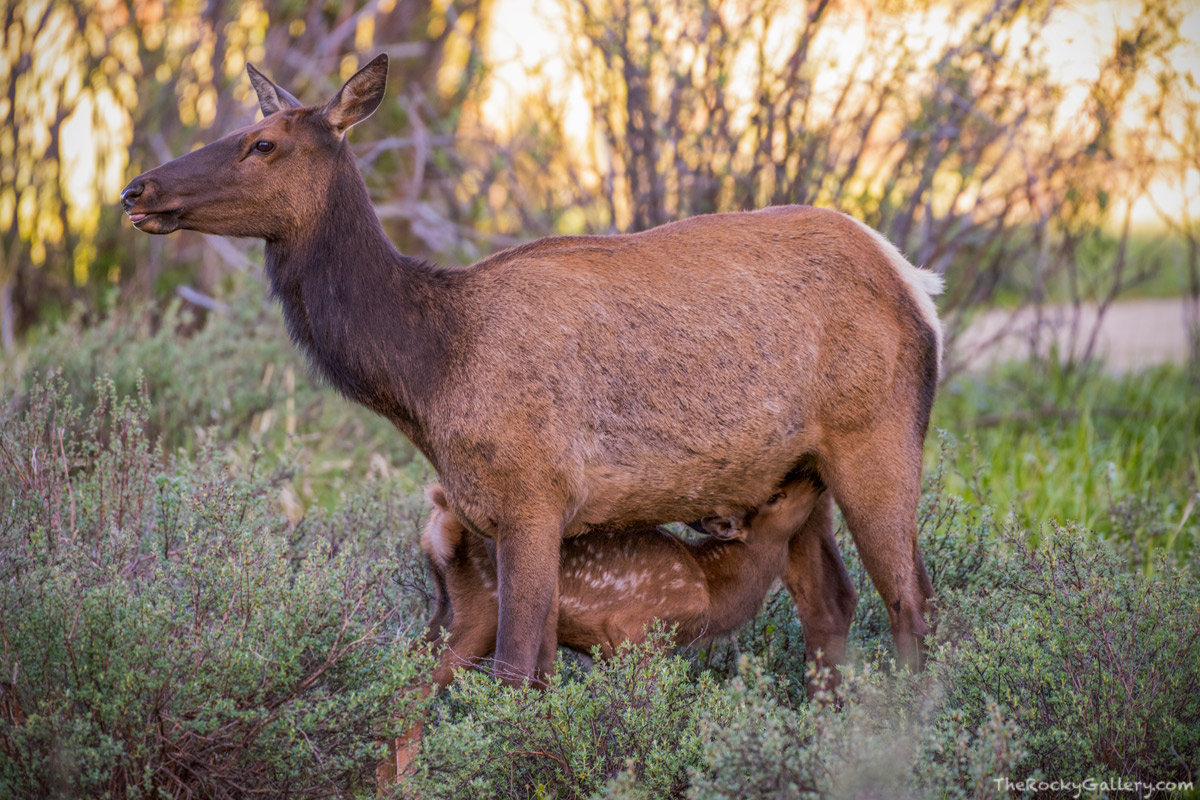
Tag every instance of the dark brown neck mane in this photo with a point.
(377, 325)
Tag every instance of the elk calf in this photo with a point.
(612, 585)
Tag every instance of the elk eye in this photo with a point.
(775, 498)
(263, 146)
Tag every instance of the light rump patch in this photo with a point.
(437, 540)
(922, 284)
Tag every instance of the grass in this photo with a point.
(1118, 455)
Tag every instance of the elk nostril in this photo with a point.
(132, 192)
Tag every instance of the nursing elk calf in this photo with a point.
(611, 585)
(594, 382)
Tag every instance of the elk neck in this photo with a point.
(739, 575)
(379, 326)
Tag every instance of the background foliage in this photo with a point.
(948, 125)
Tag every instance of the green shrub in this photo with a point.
(638, 712)
(884, 735)
(1099, 663)
(162, 639)
(378, 523)
(763, 752)
(231, 380)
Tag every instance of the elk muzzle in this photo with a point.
(142, 201)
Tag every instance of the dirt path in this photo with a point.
(1133, 334)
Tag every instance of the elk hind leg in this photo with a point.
(876, 480)
(821, 589)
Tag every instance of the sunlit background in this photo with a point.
(535, 35)
(1017, 147)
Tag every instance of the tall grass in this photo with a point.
(1116, 454)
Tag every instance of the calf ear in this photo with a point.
(437, 495)
(359, 98)
(727, 528)
(271, 98)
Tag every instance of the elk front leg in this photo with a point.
(527, 567)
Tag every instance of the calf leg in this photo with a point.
(468, 645)
(401, 751)
(821, 588)
(471, 622)
(443, 612)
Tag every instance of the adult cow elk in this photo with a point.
(596, 382)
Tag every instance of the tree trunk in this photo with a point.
(7, 326)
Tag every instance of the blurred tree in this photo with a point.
(97, 90)
(938, 123)
(69, 79)
(1175, 117)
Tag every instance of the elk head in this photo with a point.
(267, 180)
(780, 516)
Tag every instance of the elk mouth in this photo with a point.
(158, 222)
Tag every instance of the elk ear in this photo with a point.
(437, 495)
(359, 98)
(271, 98)
(726, 528)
